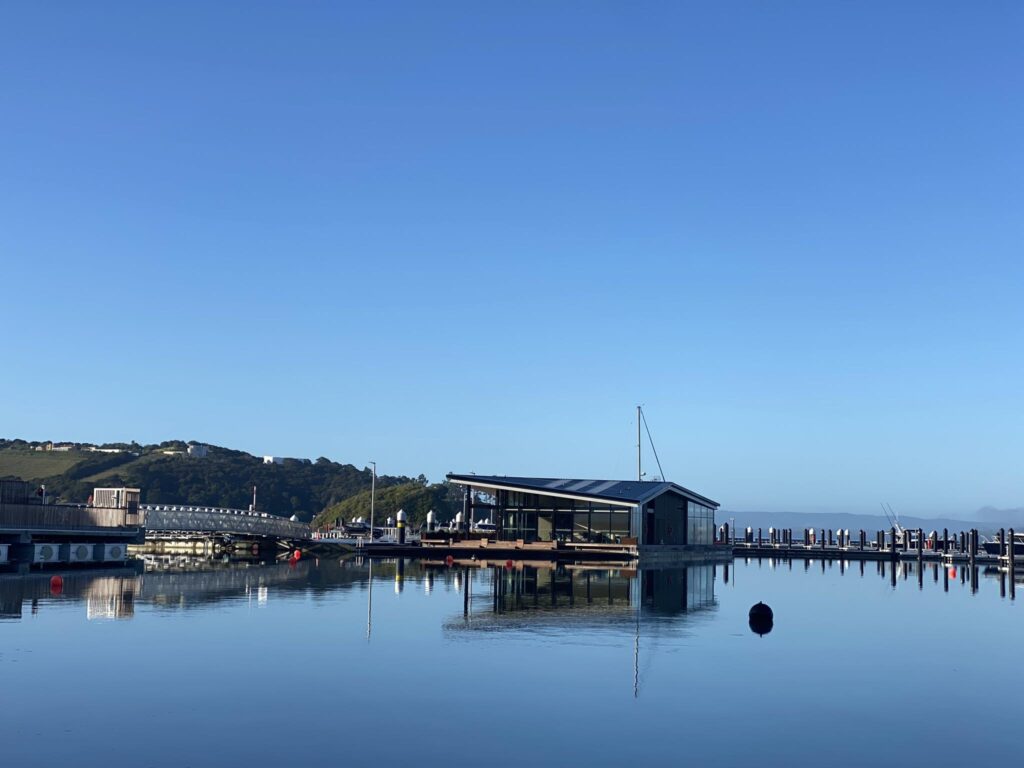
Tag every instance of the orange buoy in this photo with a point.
(296, 555)
(56, 585)
(952, 572)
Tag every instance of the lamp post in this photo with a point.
(373, 491)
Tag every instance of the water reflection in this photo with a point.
(516, 595)
(495, 596)
(897, 572)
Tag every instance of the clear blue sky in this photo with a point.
(469, 237)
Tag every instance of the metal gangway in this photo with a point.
(164, 520)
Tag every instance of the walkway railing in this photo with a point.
(184, 519)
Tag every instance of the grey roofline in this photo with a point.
(487, 481)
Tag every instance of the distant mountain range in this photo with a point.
(1003, 517)
(992, 520)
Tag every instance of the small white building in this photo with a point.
(273, 460)
(198, 451)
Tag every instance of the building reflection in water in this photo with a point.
(494, 595)
(108, 593)
(519, 595)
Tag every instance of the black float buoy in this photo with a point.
(761, 619)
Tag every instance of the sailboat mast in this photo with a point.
(639, 465)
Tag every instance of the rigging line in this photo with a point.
(895, 517)
(651, 439)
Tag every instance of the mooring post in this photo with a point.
(1011, 565)
(823, 538)
(945, 539)
(892, 548)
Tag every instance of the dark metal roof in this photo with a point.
(629, 491)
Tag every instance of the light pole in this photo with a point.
(373, 491)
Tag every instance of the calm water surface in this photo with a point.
(429, 665)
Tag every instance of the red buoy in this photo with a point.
(449, 560)
(509, 564)
(56, 585)
(296, 555)
(952, 572)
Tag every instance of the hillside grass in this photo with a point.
(39, 465)
(136, 463)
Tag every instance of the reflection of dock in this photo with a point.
(107, 592)
(180, 583)
(900, 570)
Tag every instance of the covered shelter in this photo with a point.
(582, 512)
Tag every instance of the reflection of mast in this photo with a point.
(636, 642)
(369, 602)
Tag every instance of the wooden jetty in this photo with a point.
(963, 547)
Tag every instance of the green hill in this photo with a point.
(415, 498)
(223, 478)
(35, 465)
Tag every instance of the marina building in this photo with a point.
(589, 512)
